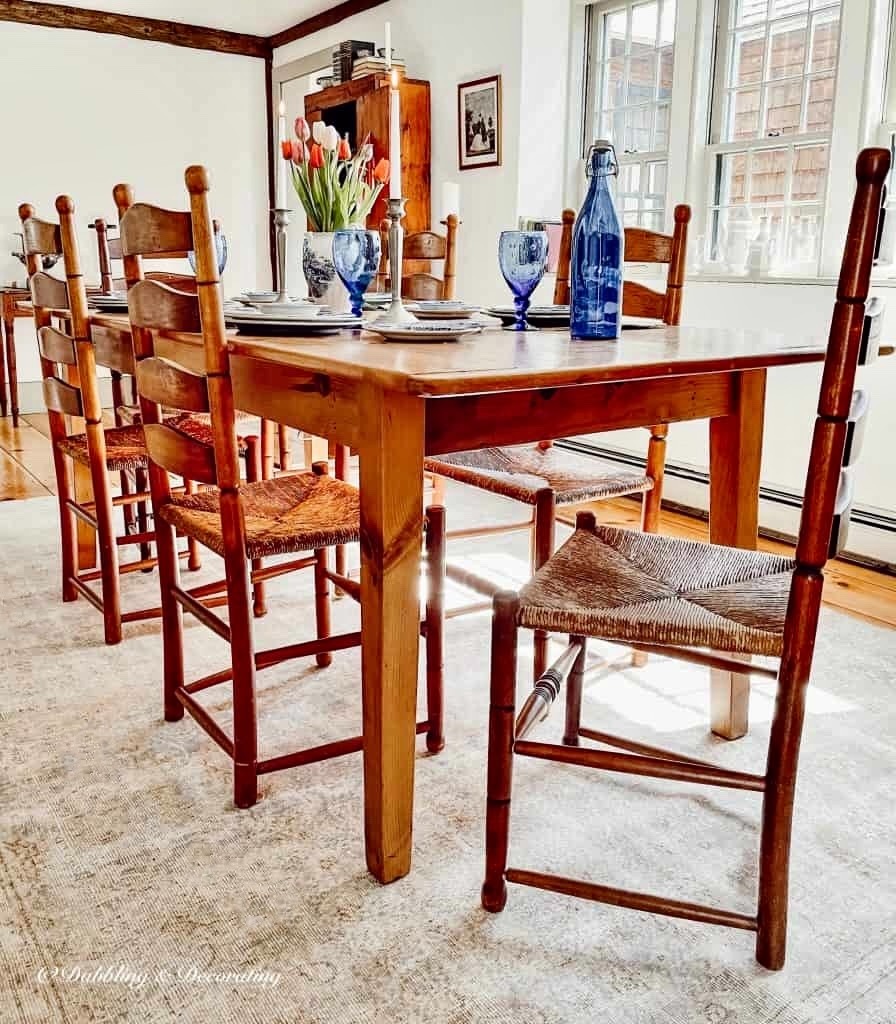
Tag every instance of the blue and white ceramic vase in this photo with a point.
(324, 285)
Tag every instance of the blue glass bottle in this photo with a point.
(597, 243)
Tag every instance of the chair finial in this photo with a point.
(65, 204)
(123, 195)
(26, 211)
(682, 214)
(872, 164)
(197, 179)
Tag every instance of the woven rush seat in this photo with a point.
(304, 512)
(521, 471)
(639, 587)
(125, 448)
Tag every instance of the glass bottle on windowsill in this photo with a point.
(597, 243)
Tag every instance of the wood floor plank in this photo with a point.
(16, 482)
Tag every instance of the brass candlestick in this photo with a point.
(396, 314)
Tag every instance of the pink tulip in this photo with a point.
(299, 153)
(303, 129)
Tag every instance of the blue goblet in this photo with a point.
(221, 251)
(522, 256)
(356, 256)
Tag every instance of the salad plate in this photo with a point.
(441, 309)
(539, 316)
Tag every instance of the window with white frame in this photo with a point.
(630, 90)
(771, 133)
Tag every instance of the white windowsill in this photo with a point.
(884, 279)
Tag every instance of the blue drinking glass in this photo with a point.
(220, 251)
(356, 256)
(522, 256)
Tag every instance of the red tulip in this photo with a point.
(345, 150)
(316, 160)
(286, 149)
(382, 171)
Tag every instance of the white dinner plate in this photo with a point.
(434, 330)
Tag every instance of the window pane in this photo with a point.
(661, 134)
(745, 111)
(615, 26)
(788, 50)
(642, 75)
(820, 108)
(656, 178)
(781, 8)
(732, 179)
(749, 56)
(644, 25)
(825, 42)
(782, 116)
(629, 178)
(667, 23)
(614, 83)
(810, 167)
(639, 122)
(768, 176)
(751, 11)
(664, 90)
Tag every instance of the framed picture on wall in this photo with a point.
(479, 123)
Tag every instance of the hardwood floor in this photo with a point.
(26, 471)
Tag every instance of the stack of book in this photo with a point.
(376, 66)
(345, 55)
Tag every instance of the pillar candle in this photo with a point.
(388, 44)
(395, 137)
(450, 200)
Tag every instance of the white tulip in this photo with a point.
(317, 132)
(330, 139)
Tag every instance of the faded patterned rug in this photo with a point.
(133, 891)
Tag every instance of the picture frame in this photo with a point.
(479, 126)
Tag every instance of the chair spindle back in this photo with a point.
(641, 246)
(153, 306)
(423, 247)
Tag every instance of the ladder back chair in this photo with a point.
(545, 477)
(699, 602)
(71, 390)
(420, 249)
(240, 522)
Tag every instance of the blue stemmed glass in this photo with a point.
(356, 256)
(523, 256)
(220, 251)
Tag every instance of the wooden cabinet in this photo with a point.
(361, 108)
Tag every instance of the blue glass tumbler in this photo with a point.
(522, 256)
(356, 256)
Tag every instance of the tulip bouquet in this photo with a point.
(336, 188)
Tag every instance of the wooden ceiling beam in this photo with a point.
(326, 19)
(153, 29)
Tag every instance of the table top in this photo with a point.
(498, 360)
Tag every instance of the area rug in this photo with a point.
(133, 891)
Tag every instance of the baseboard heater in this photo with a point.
(875, 519)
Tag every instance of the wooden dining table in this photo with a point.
(393, 403)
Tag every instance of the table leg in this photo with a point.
(391, 458)
(735, 457)
(10, 331)
(3, 401)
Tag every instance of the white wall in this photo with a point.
(104, 109)
(447, 44)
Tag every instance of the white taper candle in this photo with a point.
(395, 137)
